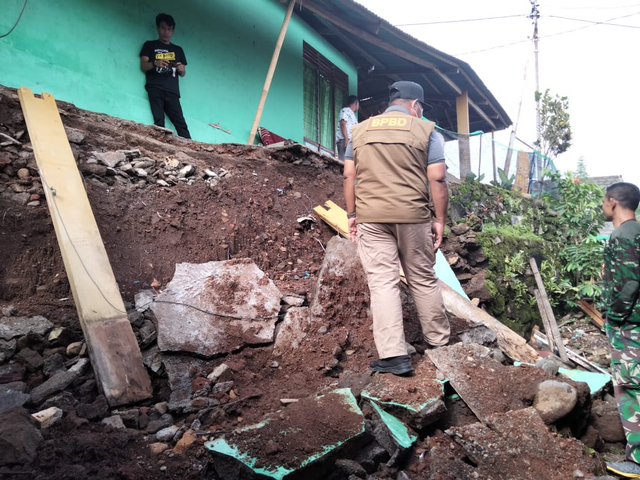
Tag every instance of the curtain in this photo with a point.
(327, 124)
(310, 109)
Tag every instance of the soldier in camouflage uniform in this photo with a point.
(621, 285)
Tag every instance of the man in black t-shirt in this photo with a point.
(163, 62)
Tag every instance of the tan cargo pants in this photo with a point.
(380, 246)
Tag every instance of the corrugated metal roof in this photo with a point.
(384, 54)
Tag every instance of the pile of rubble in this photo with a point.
(256, 331)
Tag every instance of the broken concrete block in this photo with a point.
(240, 301)
(58, 382)
(12, 399)
(143, 299)
(114, 421)
(479, 334)
(517, 444)
(74, 135)
(48, 417)
(7, 349)
(11, 327)
(12, 372)
(416, 400)
(554, 400)
(293, 300)
(177, 367)
(342, 284)
(110, 159)
(167, 434)
(393, 435)
(221, 373)
(19, 437)
(301, 437)
(292, 330)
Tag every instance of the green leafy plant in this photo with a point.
(472, 177)
(505, 181)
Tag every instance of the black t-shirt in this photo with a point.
(165, 78)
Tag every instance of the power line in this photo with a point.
(17, 21)
(612, 7)
(594, 22)
(457, 21)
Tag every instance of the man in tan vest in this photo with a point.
(393, 156)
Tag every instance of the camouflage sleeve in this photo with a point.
(622, 277)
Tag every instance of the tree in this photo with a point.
(581, 169)
(554, 134)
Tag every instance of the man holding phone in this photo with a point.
(163, 62)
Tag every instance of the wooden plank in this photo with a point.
(335, 216)
(509, 341)
(545, 319)
(113, 349)
(592, 312)
(555, 331)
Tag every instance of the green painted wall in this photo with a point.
(86, 52)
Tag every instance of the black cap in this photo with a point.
(406, 90)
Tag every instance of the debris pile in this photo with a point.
(255, 330)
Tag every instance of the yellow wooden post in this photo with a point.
(113, 349)
(464, 148)
(271, 71)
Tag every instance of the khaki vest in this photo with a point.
(390, 155)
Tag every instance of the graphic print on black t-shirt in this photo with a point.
(165, 77)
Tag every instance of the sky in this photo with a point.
(594, 65)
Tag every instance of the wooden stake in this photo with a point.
(270, 72)
(545, 320)
(113, 349)
(553, 326)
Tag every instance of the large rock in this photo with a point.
(217, 307)
(554, 400)
(11, 327)
(19, 437)
(606, 419)
(292, 330)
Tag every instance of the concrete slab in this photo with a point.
(285, 445)
(416, 400)
(216, 307)
(393, 435)
(485, 385)
(516, 444)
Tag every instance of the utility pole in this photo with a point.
(535, 15)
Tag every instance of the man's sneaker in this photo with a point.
(625, 469)
(397, 365)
